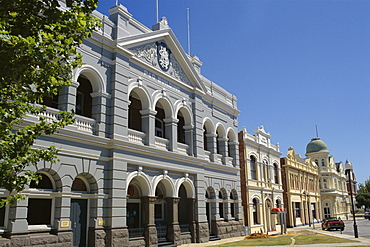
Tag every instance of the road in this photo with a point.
(363, 227)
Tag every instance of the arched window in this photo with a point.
(205, 139)
(253, 167)
(78, 185)
(40, 209)
(184, 210)
(255, 211)
(218, 150)
(180, 128)
(83, 98)
(134, 115)
(233, 204)
(278, 203)
(264, 168)
(322, 162)
(221, 204)
(276, 173)
(159, 123)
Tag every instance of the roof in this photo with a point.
(316, 145)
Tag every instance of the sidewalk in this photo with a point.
(362, 241)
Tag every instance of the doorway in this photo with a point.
(79, 221)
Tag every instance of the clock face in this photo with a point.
(163, 56)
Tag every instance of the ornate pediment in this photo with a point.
(158, 55)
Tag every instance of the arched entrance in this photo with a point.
(211, 211)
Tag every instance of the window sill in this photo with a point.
(39, 227)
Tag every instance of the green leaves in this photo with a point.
(363, 194)
(38, 41)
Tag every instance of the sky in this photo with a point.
(293, 65)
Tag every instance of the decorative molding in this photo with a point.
(149, 54)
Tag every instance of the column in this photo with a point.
(116, 188)
(99, 113)
(150, 231)
(148, 117)
(234, 153)
(211, 143)
(192, 221)
(67, 97)
(171, 133)
(189, 132)
(173, 227)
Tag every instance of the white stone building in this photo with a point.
(152, 157)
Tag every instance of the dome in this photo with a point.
(316, 145)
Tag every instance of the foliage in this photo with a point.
(38, 42)
(363, 194)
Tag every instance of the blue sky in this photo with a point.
(291, 64)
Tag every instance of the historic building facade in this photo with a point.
(260, 180)
(152, 156)
(301, 190)
(334, 195)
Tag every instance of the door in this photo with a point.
(79, 221)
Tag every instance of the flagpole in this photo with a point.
(188, 18)
(116, 2)
(156, 11)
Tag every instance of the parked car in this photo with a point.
(367, 215)
(332, 223)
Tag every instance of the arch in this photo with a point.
(143, 180)
(164, 101)
(185, 110)
(252, 153)
(168, 184)
(208, 124)
(256, 196)
(220, 130)
(54, 177)
(211, 193)
(231, 135)
(189, 186)
(93, 75)
(143, 94)
(89, 180)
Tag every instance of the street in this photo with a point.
(363, 227)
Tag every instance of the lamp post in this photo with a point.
(348, 172)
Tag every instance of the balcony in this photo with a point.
(161, 143)
(182, 148)
(81, 123)
(136, 136)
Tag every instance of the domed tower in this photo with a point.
(318, 151)
(332, 179)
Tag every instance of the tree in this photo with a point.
(38, 42)
(363, 194)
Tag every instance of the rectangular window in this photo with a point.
(2, 216)
(39, 211)
(297, 209)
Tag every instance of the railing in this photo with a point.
(228, 161)
(161, 142)
(135, 232)
(85, 124)
(182, 148)
(184, 228)
(218, 158)
(207, 155)
(161, 233)
(81, 122)
(136, 136)
(50, 114)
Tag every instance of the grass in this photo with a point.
(301, 237)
